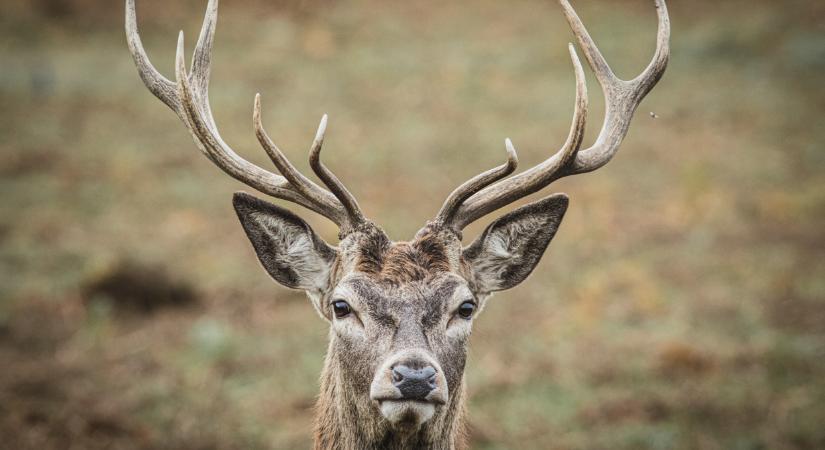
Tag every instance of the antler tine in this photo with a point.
(509, 190)
(330, 180)
(621, 97)
(187, 96)
(202, 56)
(225, 158)
(302, 184)
(654, 71)
(477, 183)
(621, 100)
(163, 88)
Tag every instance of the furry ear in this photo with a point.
(287, 247)
(511, 247)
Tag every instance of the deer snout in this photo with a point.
(410, 376)
(414, 384)
(408, 388)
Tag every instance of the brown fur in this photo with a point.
(404, 262)
(345, 417)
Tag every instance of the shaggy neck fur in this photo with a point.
(347, 419)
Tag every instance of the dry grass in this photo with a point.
(679, 307)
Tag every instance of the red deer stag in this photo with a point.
(400, 312)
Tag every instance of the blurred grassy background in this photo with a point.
(681, 306)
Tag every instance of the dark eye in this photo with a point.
(341, 309)
(466, 309)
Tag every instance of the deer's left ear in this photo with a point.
(511, 247)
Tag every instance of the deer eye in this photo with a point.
(341, 309)
(466, 310)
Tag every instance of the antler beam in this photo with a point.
(188, 97)
(621, 99)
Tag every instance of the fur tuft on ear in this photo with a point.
(511, 247)
(287, 247)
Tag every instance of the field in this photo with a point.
(681, 305)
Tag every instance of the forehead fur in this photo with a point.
(404, 262)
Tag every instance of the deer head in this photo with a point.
(400, 313)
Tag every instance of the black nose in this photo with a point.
(414, 384)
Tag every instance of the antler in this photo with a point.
(188, 97)
(621, 99)
(476, 184)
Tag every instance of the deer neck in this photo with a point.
(346, 418)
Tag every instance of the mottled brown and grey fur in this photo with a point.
(400, 313)
(405, 296)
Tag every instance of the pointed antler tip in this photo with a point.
(180, 45)
(574, 55)
(512, 156)
(180, 58)
(319, 135)
(256, 109)
(577, 63)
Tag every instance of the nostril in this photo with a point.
(397, 376)
(401, 373)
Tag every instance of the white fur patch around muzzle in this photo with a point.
(407, 413)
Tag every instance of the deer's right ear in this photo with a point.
(287, 247)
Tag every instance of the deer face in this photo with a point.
(400, 313)
(402, 346)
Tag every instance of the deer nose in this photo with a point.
(414, 384)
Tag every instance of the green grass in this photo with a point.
(679, 307)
